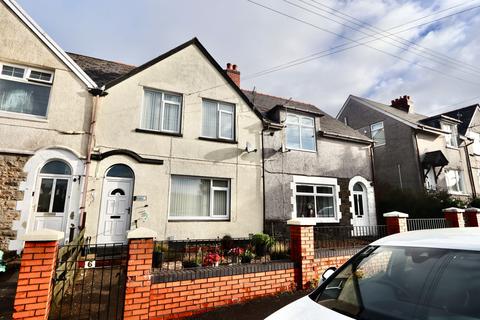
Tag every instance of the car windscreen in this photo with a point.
(400, 283)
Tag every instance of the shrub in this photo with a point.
(475, 203)
(261, 243)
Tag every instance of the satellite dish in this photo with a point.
(250, 148)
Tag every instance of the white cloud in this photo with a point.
(256, 39)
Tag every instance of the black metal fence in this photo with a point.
(345, 240)
(189, 254)
(90, 282)
(422, 224)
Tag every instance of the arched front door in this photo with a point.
(52, 196)
(360, 205)
(115, 211)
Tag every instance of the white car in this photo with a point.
(418, 275)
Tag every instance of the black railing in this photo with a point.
(422, 224)
(345, 240)
(189, 254)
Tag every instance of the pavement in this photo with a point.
(257, 309)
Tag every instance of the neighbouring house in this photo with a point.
(315, 167)
(177, 149)
(45, 108)
(412, 151)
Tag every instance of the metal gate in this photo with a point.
(90, 281)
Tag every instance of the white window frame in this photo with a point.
(316, 181)
(452, 135)
(460, 177)
(375, 143)
(26, 79)
(300, 127)
(162, 111)
(211, 200)
(219, 119)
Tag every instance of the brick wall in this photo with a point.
(170, 300)
(11, 174)
(322, 264)
(34, 287)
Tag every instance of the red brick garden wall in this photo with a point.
(184, 298)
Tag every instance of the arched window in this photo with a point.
(56, 167)
(120, 171)
(359, 199)
(53, 187)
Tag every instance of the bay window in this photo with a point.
(24, 90)
(455, 183)
(315, 201)
(199, 198)
(161, 111)
(300, 132)
(378, 134)
(218, 120)
(451, 136)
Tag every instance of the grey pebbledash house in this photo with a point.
(413, 151)
(315, 167)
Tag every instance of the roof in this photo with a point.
(329, 126)
(52, 45)
(449, 238)
(465, 115)
(101, 71)
(110, 73)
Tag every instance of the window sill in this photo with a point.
(19, 116)
(318, 220)
(198, 219)
(218, 140)
(301, 150)
(452, 147)
(453, 193)
(162, 133)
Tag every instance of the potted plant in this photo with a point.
(211, 259)
(262, 243)
(236, 253)
(247, 256)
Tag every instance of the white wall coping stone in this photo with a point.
(458, 210)
(43, 235)
(395, 214)
(142, 233)
(477, 210)
(301, 222)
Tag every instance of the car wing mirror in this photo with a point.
(328, 273)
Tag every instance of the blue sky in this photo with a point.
(443, 72)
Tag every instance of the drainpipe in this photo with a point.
(263, 181)
(469, 168)
(96, 94)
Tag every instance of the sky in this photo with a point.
(378, 49)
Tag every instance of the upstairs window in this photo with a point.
(300, 132)
(218, 120)
(24, 90)
(452, 134)
(476, 142)
(455, 182)
(161, 111)
(378, 134)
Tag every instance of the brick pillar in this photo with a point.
(302, 252)
(396, 222)
(37, 269)
(454, 217)
(139, 270)
(472, 217)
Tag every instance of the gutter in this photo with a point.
(345, 137)
(96, 94)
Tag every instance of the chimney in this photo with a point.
(403, 103)
(233, 73)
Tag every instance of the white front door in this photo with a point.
(53, 193)
(360, 206)
(115, 210)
